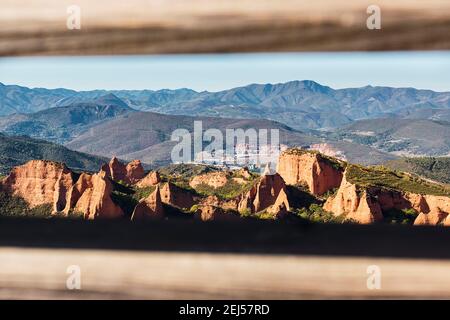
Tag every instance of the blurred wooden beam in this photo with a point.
(42, 274)
(38, 27)
(181, 259)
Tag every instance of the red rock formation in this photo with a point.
(244, 173)
(432, 218)
(91, 196)
(40, 182)
(310, 168)
(105, 171)
(177, 197)
(354, 204)
(129, 174)
(151, 179)
(432, 210)
(365, 205)
(214, 179)
(281, 206)
(211, 201)
(150, 207)
(214, 213)
(246, 201)
(269, 191)
(134, 171)
(214, 201)
(116, 170)
(446, 221)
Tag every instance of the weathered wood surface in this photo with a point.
(196, 260)
(41, 274)
(30, 27)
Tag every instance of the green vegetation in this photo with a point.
(266, 216)
(194, 208)
(140, 193)
(385, 178)
(245, 213)
(329, 193)
(41, 211)
(16, 151)
(185, 171)
(181, 174)
(436, 168)
(128, 197)
(75, 214)
(405, 216)
(14, 206)
(300, 197)
(230, 190)
(316, 213)
(333, 162)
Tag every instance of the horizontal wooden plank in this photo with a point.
(42, 274)
(192, 26)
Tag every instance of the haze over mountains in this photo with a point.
(15, 151)
(148, 138)
(399, 136)
(62, 124)
(299, 104)
(369, 124)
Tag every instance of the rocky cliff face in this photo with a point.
(40, 182)
(151, 179)
(268, 193)
(214, 213)
(367, 204)
(365, 195)
(281, 206)
(432, 210)
(213, 179)
(177, 197)
(212, 208)
(150, 207)
(44, 182)
(134, 171)
(91, 196)
(355, 204)
(130, 173)
(320, 174)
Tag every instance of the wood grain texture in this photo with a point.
(198, 26)
(41, 274)
(187, 260)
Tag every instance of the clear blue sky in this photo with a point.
(426, 70)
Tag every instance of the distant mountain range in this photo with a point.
(146, 135)
(62, 124)
(399, 136)
(368, 125)
(15, 151)
(437, 169)
(299, 104)
(106, 126)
